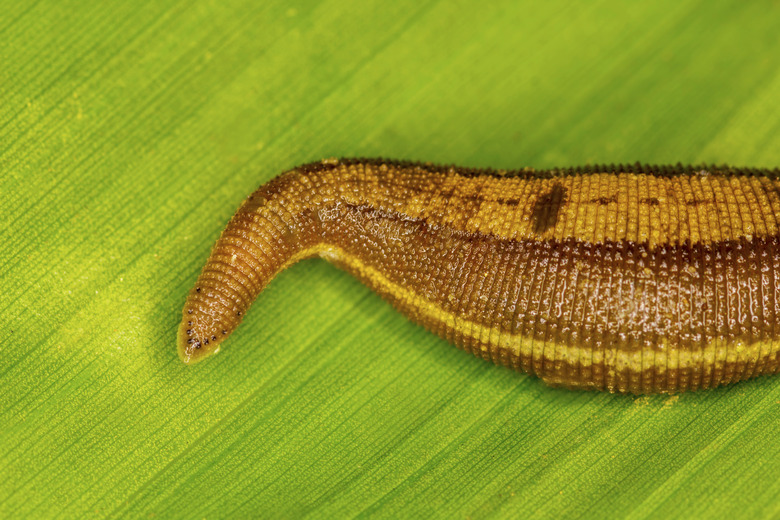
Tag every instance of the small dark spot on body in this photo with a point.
(189, 323)
(224, 332)
(547, 207)
(448, 194)
(603, 201)
(197, 289)
(189, 332)
(189, 311)
(213, 338)
(189, 341)
(474, 198)
(695, 202)
(479, 199)
(205, 342)
(649, 201)
(238, 313)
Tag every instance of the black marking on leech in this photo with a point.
(547, 208)
(473, 198)
(450, 194)
(197, 289)
(603, 201)
(650, 201)
(224, 332)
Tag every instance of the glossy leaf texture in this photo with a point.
(130, 133)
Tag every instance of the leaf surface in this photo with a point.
(130, 133)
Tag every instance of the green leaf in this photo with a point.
(130, 133)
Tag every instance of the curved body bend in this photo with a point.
(635, 279)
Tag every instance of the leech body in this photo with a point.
(632, 279)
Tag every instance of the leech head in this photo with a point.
(199, 335)
(260, 240)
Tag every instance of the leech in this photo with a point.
(634, 278)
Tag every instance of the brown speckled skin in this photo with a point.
(633, 279)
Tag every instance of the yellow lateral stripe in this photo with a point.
(715, 355)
